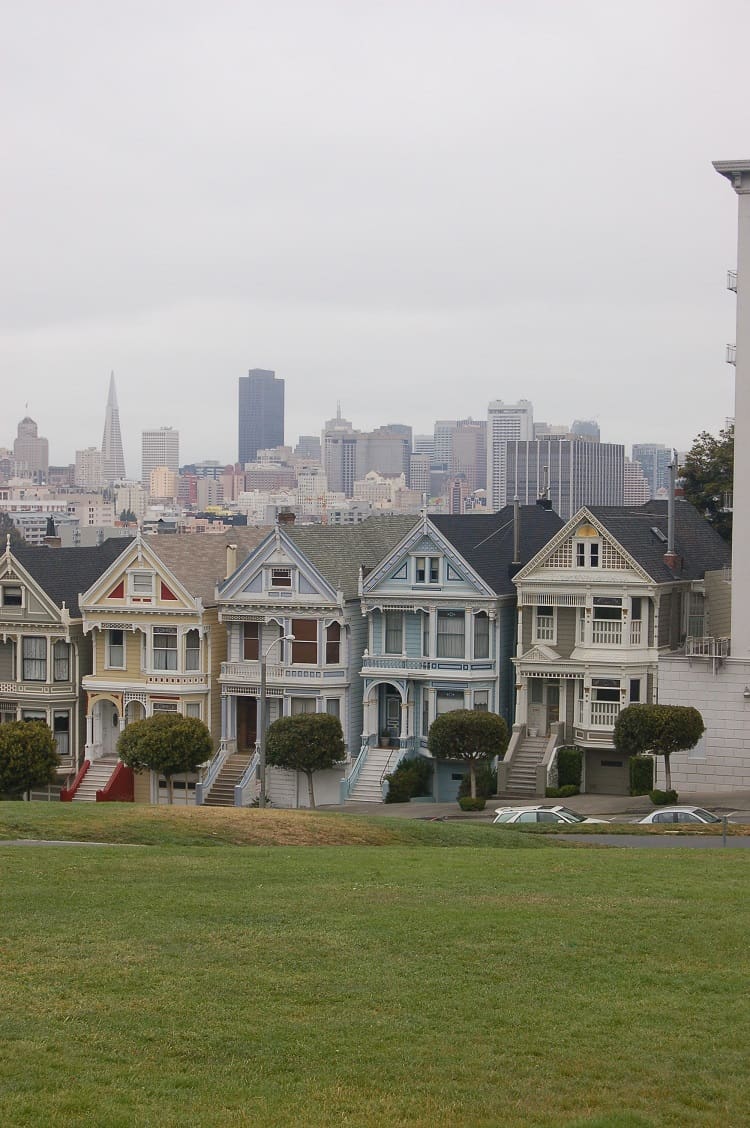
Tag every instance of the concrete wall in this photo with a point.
(721, 762)
(718, 604)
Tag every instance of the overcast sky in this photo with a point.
(413, 206)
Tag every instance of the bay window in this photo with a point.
(394, 632)
(333, 644)
(61, 661)
(115, 649)
(450, 634)
(192, 650)
(165, 648)
(305, 645)
(250, 641)
(34, 652)
(481, 635)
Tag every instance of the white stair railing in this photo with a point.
(346, 785)
(203, 787)
(248, 785)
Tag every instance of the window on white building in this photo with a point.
(333, 644)
(193, 709)
(333, 706)
(281, 577)
(250, 641)
(394, 632)
(587, 554)
(544, 623)
(61, 730)
(298, 705)
(481, 700)
(427, 569)
(448, 700)
(305, 645)
(451, 634)
(481, 635)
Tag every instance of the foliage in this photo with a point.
(128, 517)
(410, 778)
(707, 474)
(641, 774)
(472, 803)
(470, 735)
(659, 729)
(7, 528)
(563, 792)
(167, 743)
(662, 798)
(28, 757)
(569, 767)
(486, 782)
(307, 743)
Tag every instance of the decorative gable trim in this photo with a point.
(558, 552)
(423, 539)
(246, 584)
(15, 571)
(540, 653)
(112, 584)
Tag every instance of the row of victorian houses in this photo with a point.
(387, 624)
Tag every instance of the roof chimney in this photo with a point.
(286, 516)
(51, 538)
(231, 559)
(671, 559)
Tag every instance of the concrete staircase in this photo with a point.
(95, 779)
(522, 774)
(221, 793)
(368, 788)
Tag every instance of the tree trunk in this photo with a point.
(310, 791)
(667, 773)
(473, 779)
(170, 790)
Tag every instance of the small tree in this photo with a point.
(658, 729)
(308, 743)
(167, 743)
(707, 473)
(469, 735)
(28, 757)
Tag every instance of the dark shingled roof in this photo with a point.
(338, 551)
(486, 540)
(199, 561)
(695, 541)
(63, 573)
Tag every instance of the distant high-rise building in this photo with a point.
(419, 472)
(113, 459)
(31, 451)
(339, 446)
(636, 490)
(569, 472)
(159, 448)
(585, 429)
(505, 422)
(88, 472)
(386, 449)
(441, 444)
(423, 444)
(261, 413)
(469, 453)
(308, 446)
(654, 459)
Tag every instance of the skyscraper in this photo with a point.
(654, 459)
(505, 422)
(113, 460)
(261, 413)
(31, 451)
(569, 472)
(159, 448)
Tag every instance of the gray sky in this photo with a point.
(414, 206)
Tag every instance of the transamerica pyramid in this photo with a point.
(113, 460)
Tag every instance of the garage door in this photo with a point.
(607, 774)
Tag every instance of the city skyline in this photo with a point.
(467, 232)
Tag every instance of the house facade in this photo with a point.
(157, 645)
(44, 653)
(293, 605)
(595, 608)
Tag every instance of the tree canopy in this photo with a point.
(708, 475)
(167, 743)
(28, 757)
(469, 735)
(7, 527)
(308, 743)
(658, 729)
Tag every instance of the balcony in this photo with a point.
(248, 673)
(597, 714)
(606, 632)
(732, 280)
(731, 354)
(396, 664)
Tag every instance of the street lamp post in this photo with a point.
(262, 656)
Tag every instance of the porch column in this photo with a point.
(522, 706)
(404, 720)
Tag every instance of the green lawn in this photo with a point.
(398, 985)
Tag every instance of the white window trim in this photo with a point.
(140, 595)
(535, 636)
(428, 558)
(107, 664)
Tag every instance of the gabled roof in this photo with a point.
(338, 551)
(64, 572)
(695, 541)
(486, 540)
(199, 561)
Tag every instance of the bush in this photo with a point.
(486, 783)
(467, 803)
(569, 762)
(641, 775)
(563, 792)
(411, 777)
(662, 798)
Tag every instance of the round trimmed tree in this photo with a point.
(28, 757)
(167, 743)
(469, 735)
(307, 743)
(659, 730)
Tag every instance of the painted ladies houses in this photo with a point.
(157, 644)
(294, 604)
(441, 620)
(613, 589)
(43, 651)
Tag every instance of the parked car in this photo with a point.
(679, 815)
(539, 813)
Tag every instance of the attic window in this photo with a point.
(12, 595)
(281, 577)
(659, 534)
(142, 584)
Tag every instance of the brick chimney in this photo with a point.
(231, 559)
(286, 516)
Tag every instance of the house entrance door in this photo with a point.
(390, 718)
(247, 723)
(544, 706)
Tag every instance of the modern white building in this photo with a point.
(505, 422)
(636, 489)
(88, 471)
(159, 448)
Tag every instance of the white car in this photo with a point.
(679, 815)
(539, 813)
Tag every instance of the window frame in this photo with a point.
(26, 658)
(481, 617)
(4, 588)
(164, 652)
(304, 651)
(192, 653)
(250, 643)
(393, 631)
(427, 570)
(446, 614)
(543, 632)
(141, 574)
(57, 661)
(108, 663)
(332, 645)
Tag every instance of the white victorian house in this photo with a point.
(595, 608)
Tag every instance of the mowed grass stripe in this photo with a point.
(379, 986)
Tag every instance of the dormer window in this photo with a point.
(12, 595)
(142, 585)
(427, 570)
(281, 577)
(587, 554)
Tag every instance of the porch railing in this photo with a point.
(248, 784)
(598, 714)
(346, 785)
(205, 784)
(635, 632)
(607, 632)
(67, 793)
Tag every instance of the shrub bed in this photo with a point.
(662, 798)
(641, 775)
(411, 777)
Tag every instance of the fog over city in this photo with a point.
(411, 207)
